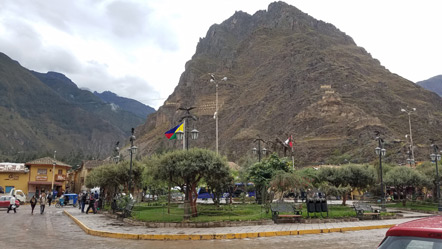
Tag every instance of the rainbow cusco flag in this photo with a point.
(170, 134)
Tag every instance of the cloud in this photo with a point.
(96, 76)
(135, 21)
(128, 19)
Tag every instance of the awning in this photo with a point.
(44, 183)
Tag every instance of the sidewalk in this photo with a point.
(101, 225)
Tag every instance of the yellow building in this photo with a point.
(45, 173)
(13, 175)
(79, 176)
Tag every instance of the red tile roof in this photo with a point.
(47, 161)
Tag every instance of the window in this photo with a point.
(60, 172)
(404, 242)
(42, 172)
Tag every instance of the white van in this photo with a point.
(19, 195)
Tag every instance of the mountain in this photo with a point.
(433, 84)
(38, 119)
(289, 73)
(86, 100)
(130, 105)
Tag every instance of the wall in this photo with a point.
(42, 176)
(18, 180)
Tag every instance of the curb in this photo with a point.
(219, 235)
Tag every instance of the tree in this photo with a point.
(358, 177)
(109, 176)
(342, 180)
(187, 169)
(261, 174)
(150, 183)
(334, 177)
(428, 170)
(402, 177)
(284, 181)
(219, 184)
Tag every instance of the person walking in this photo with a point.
(33, 202)
(42, 202)
(12, 204)
(80, 195)
(83, 201)
(91, 204)
(49, 198)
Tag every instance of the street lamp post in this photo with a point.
(259, 151)
(132, 150)
(410, 159)
(215, 116)
(116, 155)
(435, 157)
(381, 152)
(411, 136)
(53, 172)
(180, 135)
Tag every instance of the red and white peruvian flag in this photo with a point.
(289, 142)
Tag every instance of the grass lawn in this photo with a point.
(415, 205)
(234, 212)
(206, 213)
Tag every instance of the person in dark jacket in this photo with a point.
(49, 198)
(33, 202)
(83, 201)
(91, 203)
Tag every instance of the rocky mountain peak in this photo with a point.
(289, 73)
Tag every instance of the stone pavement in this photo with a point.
(102, 225)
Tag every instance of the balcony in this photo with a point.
(60, 178)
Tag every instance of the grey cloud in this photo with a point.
(52, 12)
(22, 35)
(60, 60)
(128, 19)
(97, 78)
(133, 20)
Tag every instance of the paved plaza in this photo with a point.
(102, 225)
(56, 229)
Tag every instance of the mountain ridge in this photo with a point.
(39, 118)
(127, 104)
(292, 74)
(433, 84)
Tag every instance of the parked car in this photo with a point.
(19, 195)
(421, 233)
(149, 197)
(5, 201)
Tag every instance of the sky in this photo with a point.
(138, 48)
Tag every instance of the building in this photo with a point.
(13, 175)
(45, 173)
(79, 176)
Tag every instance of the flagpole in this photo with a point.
(185, 134)
(293, 156)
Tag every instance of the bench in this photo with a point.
(366, 210)
(123, 212)
(290, 211)
(128, 209)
